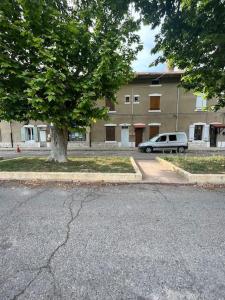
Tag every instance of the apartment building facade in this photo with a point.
(152, 103)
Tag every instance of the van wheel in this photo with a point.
(148, 150)
(180, 149)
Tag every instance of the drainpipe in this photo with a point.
(11, 134)
(177, 112)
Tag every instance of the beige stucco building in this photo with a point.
(152, 103)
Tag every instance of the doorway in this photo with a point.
(125, 136)
(138, 136)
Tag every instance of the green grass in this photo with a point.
(199, 165)
(89, 164)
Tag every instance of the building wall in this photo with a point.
(177, 113)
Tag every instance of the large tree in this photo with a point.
(192, 37)
(58, 58)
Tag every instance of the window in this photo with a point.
(172, 138)
(153, 131)
(136, 98)
(29, 134)
(154, 102)
(77, 136)
(161, 139)
(200, 103)
(155, 82)
(110, 133)
(127, 99)
(110, 104)
(198, 132)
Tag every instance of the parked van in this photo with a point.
(166, 141)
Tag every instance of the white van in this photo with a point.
(166, 141)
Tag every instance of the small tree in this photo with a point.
(58, 60)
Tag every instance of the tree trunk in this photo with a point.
(59, 141)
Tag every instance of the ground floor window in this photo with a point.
(77, 136)
(198, 132)
(110, 133)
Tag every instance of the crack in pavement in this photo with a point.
(48, 266)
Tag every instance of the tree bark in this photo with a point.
(59, 141)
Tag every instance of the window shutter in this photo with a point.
(35, 134)
(22, 133)
(206, 133)
(191, 132)
(110, 133)
(153, 131)
(154, 102)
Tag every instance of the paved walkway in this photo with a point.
(154, 172)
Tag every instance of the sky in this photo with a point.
(145, 58)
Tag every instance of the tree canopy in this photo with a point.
(192, 37)
(57, 58)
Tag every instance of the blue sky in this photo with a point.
(145, 57)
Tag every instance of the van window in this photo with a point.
(181, 138)
(172, 138)
(161, 139)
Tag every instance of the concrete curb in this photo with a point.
(75, 176)
(194, 178)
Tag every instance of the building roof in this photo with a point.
(159, 74)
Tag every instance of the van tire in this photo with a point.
(148, 149)
(181, 150)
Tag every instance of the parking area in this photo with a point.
(111, 242)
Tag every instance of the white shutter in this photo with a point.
(22, 133)
(35, 134)
(191, 132)
(205, 134)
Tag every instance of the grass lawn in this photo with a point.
(89, 164)
(199, 165)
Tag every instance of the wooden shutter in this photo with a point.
(153, 131)
(154, 102)
(110, 104)
(110, 133)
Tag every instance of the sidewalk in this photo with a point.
(154, 172)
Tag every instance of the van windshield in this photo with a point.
(154, 138)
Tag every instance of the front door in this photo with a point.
(138, 136)
(125, 136)
(42, 138)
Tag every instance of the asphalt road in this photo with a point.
(112, 242)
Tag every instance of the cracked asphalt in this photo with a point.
(112, 242)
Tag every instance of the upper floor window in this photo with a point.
(200, 103)
(110, 104)
(136, 98)
(127, 99)
(154, 102)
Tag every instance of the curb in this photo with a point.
(75, 176)
(217, 179)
